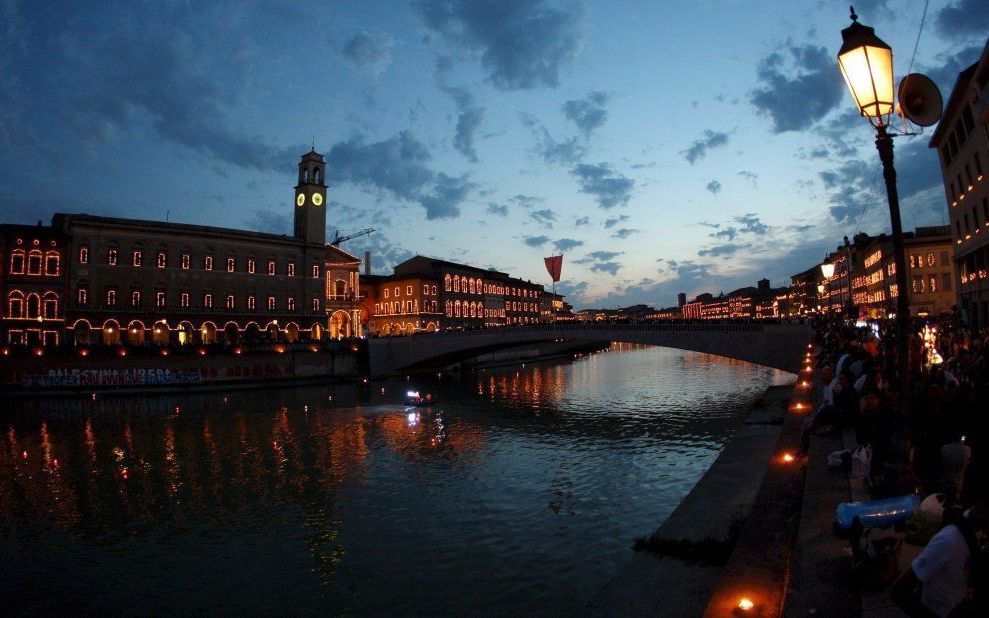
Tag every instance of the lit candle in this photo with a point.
(745, 604)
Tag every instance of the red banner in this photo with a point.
(554, 265)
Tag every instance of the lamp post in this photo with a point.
(867, 65)
(820, 292)
(848, 277)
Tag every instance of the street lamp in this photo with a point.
(867, 65)
(827, 269)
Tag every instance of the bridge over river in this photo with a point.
(779, 346)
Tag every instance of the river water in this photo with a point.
(520, 491)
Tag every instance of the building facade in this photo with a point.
(127, 281)
(962, 143)
(402, 304)
(32, 284)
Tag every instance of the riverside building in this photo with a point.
(962, 143)
(111, 280)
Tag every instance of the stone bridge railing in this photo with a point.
(774, 345)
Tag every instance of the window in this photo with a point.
(208, 262)
(251, 303)
(135, 298)
(946, 282)
(251, 265)
(932, 284)
(15, 305)
(397, 291)
(111, 257)
(82, 296)
(84, 255)
(456, 284)
(228, 302)
(446, 285)
(111, 298)
(162, 260)
(425, 290)
(315, 271)
(52, 260)
(315, 304)
(433, 290)
(290, 302)
(944, 257)
(207, 301)
(184, 299)
(291, 269)
(160, 300)
(271, 303)
(913, 261)
(456, 305)
(408, 290)
(230, 264)
(185, 261)
(447, 309)
(17, 262)
(49, 305)
(387, 292)
(408, 306)
(271, 267)
(135, 259)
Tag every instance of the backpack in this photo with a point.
(876, 557)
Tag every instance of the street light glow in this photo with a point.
(866, 63)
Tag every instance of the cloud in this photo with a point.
(468, 123)
(582, 221)
(698, 150)
(566, 244)
(498, 209)
(946, 68)
(608, 187)
(536, 241)
(610, 223)
(587, 113)
(725, 250)
(526, 201)
(611, 268)
(398, 166)
(271, 221)
(750, 176)
(798, 95)
(554, 151)
(964, 19)
(367, 53)
(752, 224)
(127, 75)
(625, 232)
(714, 187)
(544, 217)
(522, 44)
(574, 291)
(728, 232)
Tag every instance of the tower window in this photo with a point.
(111, 257)
(315, 304)
(251, 265)
(186, 260)
(84, 255)
(162, 260)
(136, 258)
(208, 262)
(230, 264)
(271, 267)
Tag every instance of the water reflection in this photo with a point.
(521, 486)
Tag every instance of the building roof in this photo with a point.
(60, 221)
(421, 261)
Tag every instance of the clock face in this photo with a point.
(301, 199)
(317, 199)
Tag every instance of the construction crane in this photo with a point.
(339, 239)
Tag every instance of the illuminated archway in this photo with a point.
(160, 333)
(431, 327)
(316, 332)
(111, 332)
(252, 333)
(82, 333)
(271, 332)
(207, 333)
(135, 333)
(231, 334)
(186, 333)
(340, 325)
(292, 332)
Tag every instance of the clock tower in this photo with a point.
(310, 199)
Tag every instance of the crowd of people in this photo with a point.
(927, 434)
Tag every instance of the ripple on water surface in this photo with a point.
(521, 491)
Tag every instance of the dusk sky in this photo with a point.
(661, 146)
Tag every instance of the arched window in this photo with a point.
(340, 287)
(456, 309)
(15, 304)
(470, 285)
(456, 283)
(52, 262)
(473, 310)
(17, 262)
(446, 306)
(49, 307)
(446, 283)
(34, 260)
(33, 306)
(315, 176)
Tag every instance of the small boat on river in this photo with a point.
(416, 400)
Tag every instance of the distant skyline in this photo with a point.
(662, 147)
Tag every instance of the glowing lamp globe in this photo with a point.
(827, 270)
(820, 288)
(866, 63)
